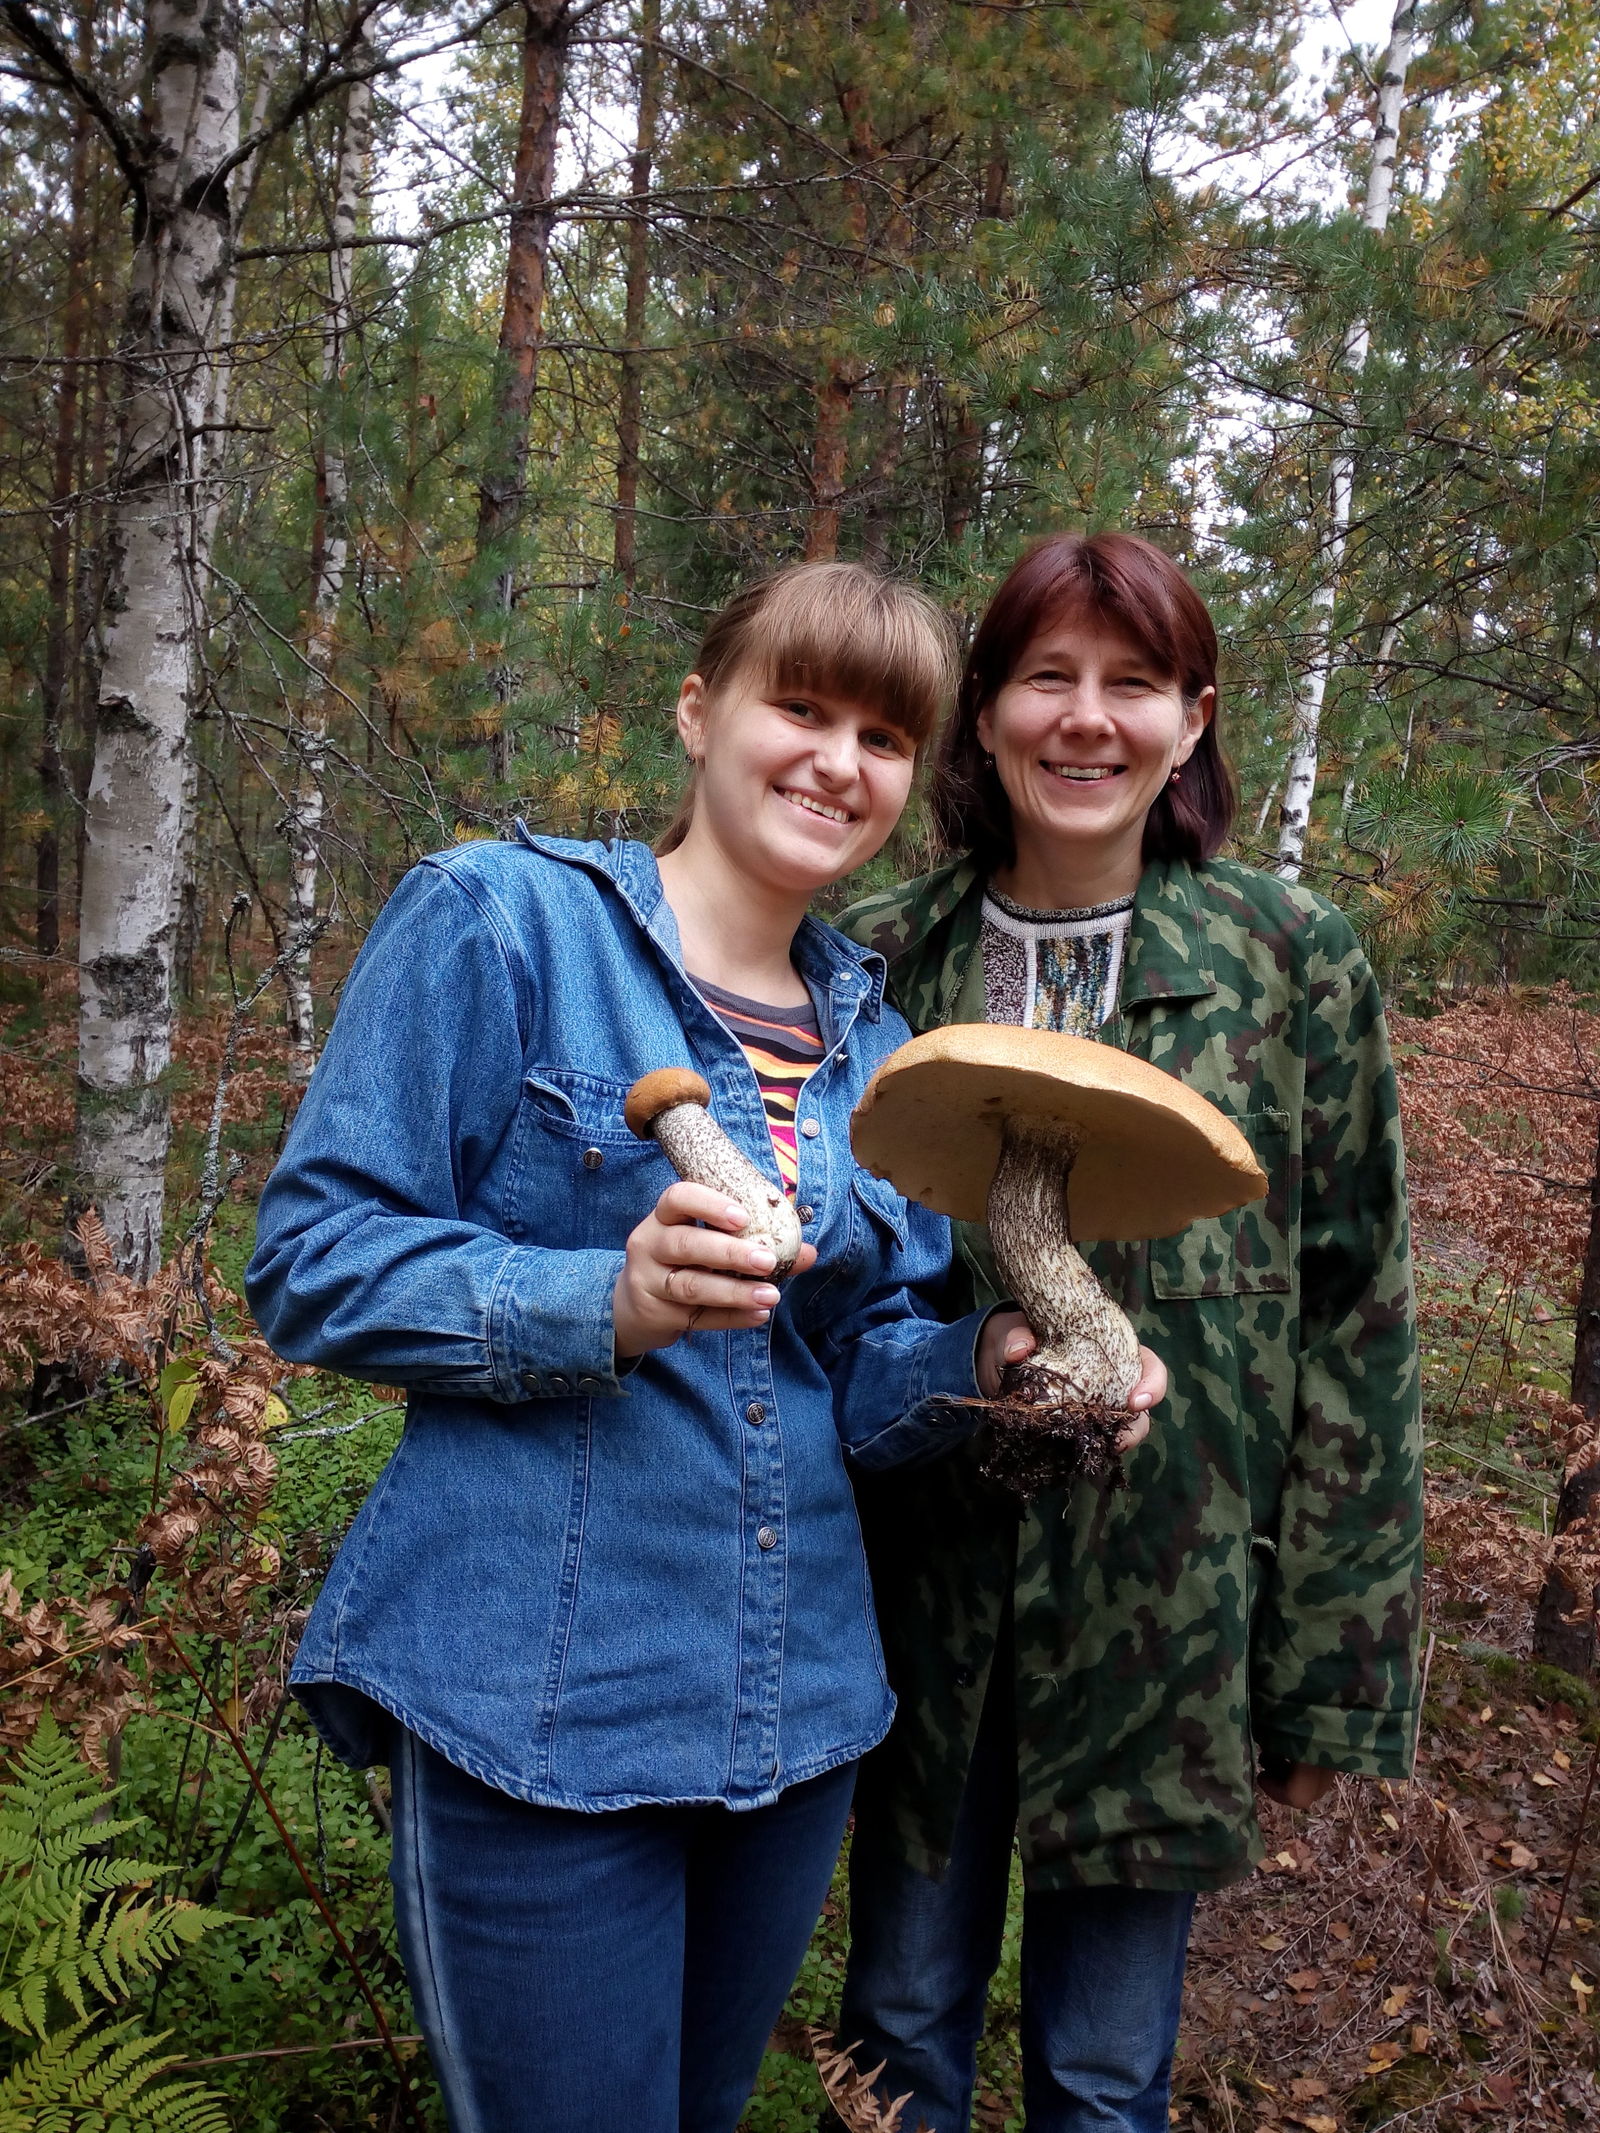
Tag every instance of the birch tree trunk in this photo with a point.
(964, 464)
(630, 393)
(59, 641)
(330, 561)
(502, 493)
(186, 912)
(151, 621)
(1300, 781)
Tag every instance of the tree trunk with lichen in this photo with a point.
(59, 644)
(1300, 777)
(331, 552)
(151, 620)
(1564, 1622)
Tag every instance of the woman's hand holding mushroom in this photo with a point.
(1007, 1339)
(680, 1278)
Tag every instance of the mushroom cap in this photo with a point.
(1153, 1156)
(662, 1091)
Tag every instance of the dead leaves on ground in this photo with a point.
(1383, 1966)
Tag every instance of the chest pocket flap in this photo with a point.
(1248, 1252)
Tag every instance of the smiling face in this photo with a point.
(1085, 732)
(793, 790)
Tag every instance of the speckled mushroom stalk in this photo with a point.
(1088, 1354)
(671, 1108)
(1047, 1138)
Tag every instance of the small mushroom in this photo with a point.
(1049, 1139)
(671, 1107)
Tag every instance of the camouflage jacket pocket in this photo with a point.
(1248, 1252)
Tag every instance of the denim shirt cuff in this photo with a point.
(942, 1376)
(551, 1332)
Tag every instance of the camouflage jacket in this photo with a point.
(1258, 1579)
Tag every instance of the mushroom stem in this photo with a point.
(702, 1154)
(1088, 1354)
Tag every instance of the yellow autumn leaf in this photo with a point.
(181, 1406)
(275, 1413)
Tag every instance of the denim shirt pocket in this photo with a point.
(886, 1209)
(1246, 1252)
(580, 1172)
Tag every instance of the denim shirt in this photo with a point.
(593, 1587)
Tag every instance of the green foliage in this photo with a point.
(69, 1932)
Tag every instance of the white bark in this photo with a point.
(1300, 781)
(152, 620)
(306, 807)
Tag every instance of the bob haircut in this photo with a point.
(1122, 583)
(839, 629)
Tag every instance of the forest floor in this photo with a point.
(1396, 1961)
(1386, 1965)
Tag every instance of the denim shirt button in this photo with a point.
(810, 1127)
(530, 1381)
(593, 1158)
(558, 1383)
(765, 1537)
(755, 1414)
(591, 1385)
(806, 1214)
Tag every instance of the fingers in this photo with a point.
(680, 1246)
(1150, 1388)
(1020, 1342)
(1133, 1433)
(699, 1203)
(1006, 1338)
(697, 1288)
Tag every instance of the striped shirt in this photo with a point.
(782, 1044)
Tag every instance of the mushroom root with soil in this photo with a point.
(1052, 1140)
(672, 1108)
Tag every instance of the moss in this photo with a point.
(1409, 2085)
(1552, 1684)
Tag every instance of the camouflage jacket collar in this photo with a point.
(928, 933)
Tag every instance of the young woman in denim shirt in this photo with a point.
(606, 1612)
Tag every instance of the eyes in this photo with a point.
(880, 740)
(1134, 683)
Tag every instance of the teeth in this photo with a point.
(818, 807)
(1083, 774)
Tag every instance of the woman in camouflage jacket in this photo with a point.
(1107, 1677)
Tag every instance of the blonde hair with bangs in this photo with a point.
(838, 628)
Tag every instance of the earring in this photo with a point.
(1176, 778)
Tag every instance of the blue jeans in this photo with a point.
(577, 1973)
(1102, 1968)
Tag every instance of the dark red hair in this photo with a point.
(1126, 584)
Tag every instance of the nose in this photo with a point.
(1086, 706)
(837, 756)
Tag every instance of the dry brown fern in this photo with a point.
(196, 1566)
(852, 2093)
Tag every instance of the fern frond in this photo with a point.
(71, 1927)
(101, 2080)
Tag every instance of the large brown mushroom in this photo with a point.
(1050, 1140)
(672, 1107)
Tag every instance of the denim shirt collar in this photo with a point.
(849, 978)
